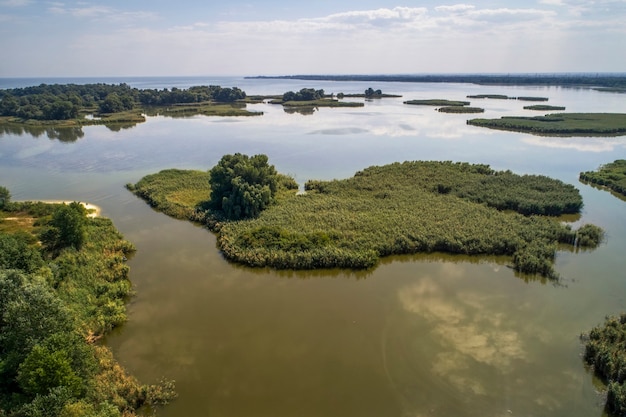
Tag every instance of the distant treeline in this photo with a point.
(573, 80)
(66, 101)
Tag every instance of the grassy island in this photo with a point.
(63, 284)
(560, 124)
(437, 102)
(491, 96)
(533, 98)
(605, 351)
(460, 109)
(611, 176)
(400, 208)
(322, 102)
(543, 107)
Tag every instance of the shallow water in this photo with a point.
(417, 336)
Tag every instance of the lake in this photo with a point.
(433, 335)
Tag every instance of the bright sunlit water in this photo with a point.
(417, 336)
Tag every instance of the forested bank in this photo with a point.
(59, 102)
(63, 285)
(615, 82)
(411, 207)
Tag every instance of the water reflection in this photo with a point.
(63, 134)
(305, 111)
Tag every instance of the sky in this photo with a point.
(285, 37)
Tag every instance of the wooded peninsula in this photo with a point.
(63, 285)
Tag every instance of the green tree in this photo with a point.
(29, 313)
(242, 186)
(68, 227)
(45, 369)
(5, 197)
(16, 253)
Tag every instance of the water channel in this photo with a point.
(417, 336)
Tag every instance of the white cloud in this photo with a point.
(455, 8)
(447, 38)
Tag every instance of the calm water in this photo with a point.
(417, 336)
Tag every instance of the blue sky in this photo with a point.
(237, 37)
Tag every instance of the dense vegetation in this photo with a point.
(560, 124)
(305, 94)
(310, 98)
(57, 298)
(242, 186)
(605, 350)
(543, 107)
(370, 93)
(69, 101)
(460, 109)
(394, 209)
(533, 98)
(437, 102)
(611, 176)
(492, 96)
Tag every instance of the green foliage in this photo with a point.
(242, 186)
(437, 102)
(611, 176)
(543, 107)
(5, 197)
(602, 124)
(531, 98)
(67, 227)
(460, 109)
(605, 350)
(370, 92)
(395, 209)
(43, 370)
(114, 103)
(491, 96)
(173, 191)
(195, 94)
(305, 94)
(62, 102)
(17, 252)
(51, 315)
(526, 194)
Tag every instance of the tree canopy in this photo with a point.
(305, 94)
(242, 186)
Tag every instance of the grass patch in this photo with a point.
(533, 98)
(204, 109)
(543, 107)
(323, 102)
(437, 102)
(560, 124)
(460, 109)
(491, 96)
(412, 207)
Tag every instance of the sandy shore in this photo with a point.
(92, 209)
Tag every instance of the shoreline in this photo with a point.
(92, 209)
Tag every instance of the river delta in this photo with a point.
(421, 335)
